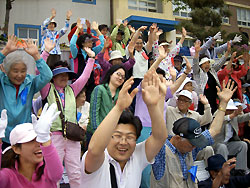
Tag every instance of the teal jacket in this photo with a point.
(19, 109)
(100, 105)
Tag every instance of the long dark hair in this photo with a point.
(9, 159)
(112, 69)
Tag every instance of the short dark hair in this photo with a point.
(82, 39)
(73, 25)
(202, 56)
(128, 117)
(160, 71)
(112, 69)
(103, 26)
(84, 89)
(60, 64)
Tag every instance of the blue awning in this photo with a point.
(165, 25)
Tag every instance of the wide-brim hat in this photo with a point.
(204, 60)
(59, 70)
(187, 80)
(116, 54)
(53, 21)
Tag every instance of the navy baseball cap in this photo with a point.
(190, 129)
(215, 162)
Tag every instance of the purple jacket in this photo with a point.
(106, 65)
(52, 172)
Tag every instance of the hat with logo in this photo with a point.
(215, 162)
(190, 129)
(185, 93)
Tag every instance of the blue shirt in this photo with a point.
(160, 159)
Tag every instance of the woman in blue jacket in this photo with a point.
(17, 88)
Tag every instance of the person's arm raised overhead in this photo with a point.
(224, 96)
(73, 47)
(151, 94)
(103, 133)
(11, 45)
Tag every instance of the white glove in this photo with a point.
(237, 39)
(3, 123)
(42, 126)
(217, 36)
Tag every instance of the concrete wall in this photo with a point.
(34, 12)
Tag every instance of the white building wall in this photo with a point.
(34, 12)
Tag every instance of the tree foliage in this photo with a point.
(206, 16)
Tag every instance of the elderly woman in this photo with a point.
(17, 88)
(205, 76)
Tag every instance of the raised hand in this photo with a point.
(125, 23)
(49, 44)
(227, 91)
(150, 88)
(125, 99)
(217, 36)
(68, 14)
(32, 49)
(95, 25)
(131, 47)
(203, 99)
(11, 45)
(107, 43)
(89, 52)
(142, 28)
(162, 53)
(159, 32)
(132, 29)
(118, 22)
(163, 85)
(172, 72)
(237, 38)
(183, 32)
(79, 24)
(152, 27)
(228, 47)
(197, 46)
(43, 125)
(88, 24)
(188, 65)
(3, 123)
(228, 166)
(53, 13)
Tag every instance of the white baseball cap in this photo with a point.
(231, 105)
(22, 133)
(185, 93)
(116, 54)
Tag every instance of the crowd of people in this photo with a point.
(145, 113)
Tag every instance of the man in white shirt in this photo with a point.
(113, 158)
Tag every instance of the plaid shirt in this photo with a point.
(160, 159)
(53, 35)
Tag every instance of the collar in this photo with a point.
(188, 112)
(172, 148)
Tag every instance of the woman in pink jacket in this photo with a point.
(31, 160)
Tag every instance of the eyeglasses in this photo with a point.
(183, 100)
(128, 139)
(120, 75)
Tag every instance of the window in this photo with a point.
(225, 20)
(24, 31)
(183, 12)
(243, 17)
(143, 5)
(85, 1)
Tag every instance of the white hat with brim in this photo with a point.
(231, 105)
(185, 93)
(240, 104)
(184, 83)
(53, 21)
(204, 60)
(165, 44)
(22, 133)
(246, 85)
(116, 54)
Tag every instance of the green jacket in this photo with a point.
(100, 105)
